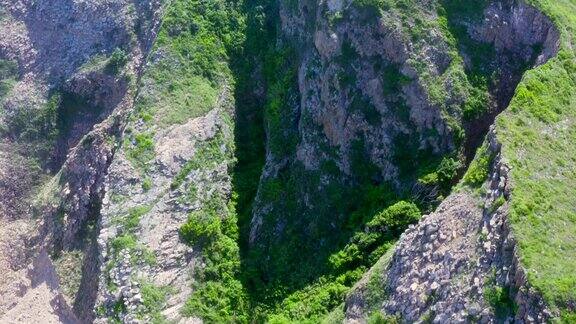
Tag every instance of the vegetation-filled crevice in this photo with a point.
(299, 263)
(301, 161)
(493, 67)
(283, 268)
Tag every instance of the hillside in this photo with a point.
(297, 161)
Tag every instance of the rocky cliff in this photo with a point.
(380, 100)
(269, 161)
(63, 112)
(457, 264)
(461, 263)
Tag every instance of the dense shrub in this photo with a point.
(479, 168)
(499, 299)
(441, 175)
(379, 232)
(117, 61)
(395, 218)
(201, 226)
(218, 296)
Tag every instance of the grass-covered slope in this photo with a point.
(538, 134)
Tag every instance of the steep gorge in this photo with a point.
(232, 161)
(369, 118)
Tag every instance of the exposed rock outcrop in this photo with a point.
(160, 258)
(52, 42)
(449, 266)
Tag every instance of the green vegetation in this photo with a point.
(307, 257)
(147, 184)
(193, 46)
(367, 246)
(299, 277)
(465, 8)
(537, 134)
(139, 149)
(127, 240)
(117, 61)
(379, 318)
(433, 171)
(481, 72)
(69, 268)
(499, 299)
(282, 93)
(479, 169)
(8, 75)
(131, 219)
(392, 79)
(219, 296)
(37, 129)
(441, 175)
(33, 126)
(123, 242)
(153, 302)
(372, 8)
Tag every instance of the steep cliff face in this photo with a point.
(379, 97)
(457, 264)
(62, 112)
(269, 161)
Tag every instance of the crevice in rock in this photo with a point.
(498, 47)
(85, 101)
(88, 290)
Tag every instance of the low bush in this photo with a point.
(201, 226)
(117, 61)
(126, 241)
(140, 149)
(499, 299)
(479, 169)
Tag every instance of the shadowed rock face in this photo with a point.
(369, 79)
(52, 42)
(442, 268)
(523, 38)
(60, 36)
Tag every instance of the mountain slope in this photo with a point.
(536, 215)
(271, 161)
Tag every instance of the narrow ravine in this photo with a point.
(263, 161)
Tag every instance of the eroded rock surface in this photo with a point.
(60, 48)
(87, 234)
(445, 268)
